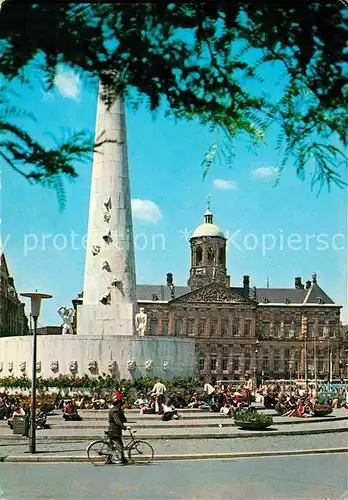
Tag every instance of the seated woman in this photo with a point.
(17, 412)
(169, 412)
(142, 403)
(70, 412)
(195, 402)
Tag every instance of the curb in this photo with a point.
(168, 437)
(227, 422)
(159, 458)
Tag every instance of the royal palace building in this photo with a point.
(274, 333)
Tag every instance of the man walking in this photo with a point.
(117, 419)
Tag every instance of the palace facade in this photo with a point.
(13, 320)
(269, 333)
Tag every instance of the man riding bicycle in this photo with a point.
(117, 419)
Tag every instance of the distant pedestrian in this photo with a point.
(159, 391)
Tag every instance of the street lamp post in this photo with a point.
(36, 298)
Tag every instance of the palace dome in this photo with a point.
(208, 228)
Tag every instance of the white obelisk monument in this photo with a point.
(109, 296)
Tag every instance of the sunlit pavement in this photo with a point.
(310, 477)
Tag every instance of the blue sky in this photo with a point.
(166, 180)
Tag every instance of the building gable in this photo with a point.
(214, 293)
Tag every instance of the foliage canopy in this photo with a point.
(200, 61)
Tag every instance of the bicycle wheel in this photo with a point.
(141, 452)
(98, 452)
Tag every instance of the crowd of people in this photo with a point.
(223, 397)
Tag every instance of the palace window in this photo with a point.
(276, 365)
(190, 325)
(222, 257)
(247, 326)
(213, 361)
(224, 327)
(178, 326)
(165, 326)
(266, 330)
(201, 328)
(212, 328)
(198, 255)
(153, 326)
(265, 365)
(247, 364)
(235, 327)
(201, 363)
(235, 364)
(210, 254)
(224, 364)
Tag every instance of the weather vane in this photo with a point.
(209, 200)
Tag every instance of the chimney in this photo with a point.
(246, 282)
(298, 283)
(314, 278)
(169, 279)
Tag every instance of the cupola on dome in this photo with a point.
(208, 228)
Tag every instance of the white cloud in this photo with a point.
(68, 83)
(265, 172)
(223, 184)
(146, 210)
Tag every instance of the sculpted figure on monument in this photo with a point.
(54, 365)
(10, 366)
(106, 266)
(106, 216)
(112, 365)
(95, 250)
(22, 366)
(107, 237)
(131, 365)
(92, 366)
(107, 203)
(165, 365)
(38, 366)
(73, 366)
(106, 298)
(67, 314)
(141, 322)
(1, 366)
(148, 365)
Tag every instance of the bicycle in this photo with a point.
(102, 451)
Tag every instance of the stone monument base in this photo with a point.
(106, 320)
(123, 357)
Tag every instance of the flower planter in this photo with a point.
(321, 412)
(252, 426)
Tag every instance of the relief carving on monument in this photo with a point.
(107, 237)
(22, 366)
(38, 366)
(131, 364)
(106, 298)
(95, 250)
(54, 365)
(10, 366)
(148, 365)
(106, 266)
(165, 365)
(107, 203)
(112, 365)
(92, 366)
(106, 216)
(73, 366)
